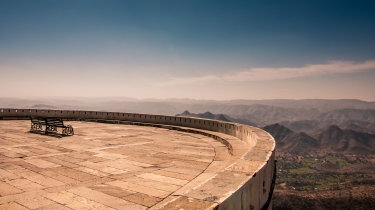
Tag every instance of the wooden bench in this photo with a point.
(51, 125)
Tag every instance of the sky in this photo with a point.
(199, 49)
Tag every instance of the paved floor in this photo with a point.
(103, 166)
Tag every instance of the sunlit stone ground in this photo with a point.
(103, 166)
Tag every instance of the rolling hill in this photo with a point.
(332, 139)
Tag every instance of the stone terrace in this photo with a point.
(105, 166)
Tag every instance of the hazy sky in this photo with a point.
(202, 49)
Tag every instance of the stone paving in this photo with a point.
(103, 166)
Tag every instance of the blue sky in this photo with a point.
(188, 49)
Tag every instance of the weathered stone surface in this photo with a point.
(188, 204)
(42, 163)
(108, 166)
(143, 199)
(12, 206)
(111, 190)
(25, 185)
(7, 189)
(105, 199)
(75, 202)
(36, 202)
(139, 188)
(218, 187)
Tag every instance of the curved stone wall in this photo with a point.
(251, 174)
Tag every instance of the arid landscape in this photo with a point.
(325, 149)
(319, 164)
(318, 175)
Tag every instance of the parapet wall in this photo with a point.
(255, 193)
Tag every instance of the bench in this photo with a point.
(51, 125)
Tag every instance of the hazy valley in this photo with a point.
(325, 160)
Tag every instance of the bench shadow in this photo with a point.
(56, 135)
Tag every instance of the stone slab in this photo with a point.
(105, 199)
(101, 166)
(164, 179)
(154, 184)
(42, 163)
(7, 189)
(143, 199)
(12, 206)
(111, 190)
(188, 204)
(25, 184)
(36, 202)
(76, 202)
(139, 188)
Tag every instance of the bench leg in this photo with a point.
(51, 129)
(35, 127)
(68, 131)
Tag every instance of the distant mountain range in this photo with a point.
(209, 115)
(288, 140)
(333, 139)
(309, 121)
(309, 116)
(198, 106)
(330, 139)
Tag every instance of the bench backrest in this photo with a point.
(58, 122)
(38, 120)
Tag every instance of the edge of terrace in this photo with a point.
(245, 182)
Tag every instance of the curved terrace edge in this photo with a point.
(247, 183)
